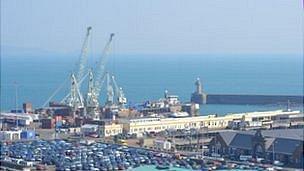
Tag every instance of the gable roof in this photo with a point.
(295, 134)
(268, 142)
(243, 141)
(286, 141)
(228, 137)
(284, 146)
(238, 139)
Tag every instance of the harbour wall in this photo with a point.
(246, 99)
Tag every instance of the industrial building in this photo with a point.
(18, 119)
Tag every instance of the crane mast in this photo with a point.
(117, 92)
(83, 56)
(91, 96)
(91, 101)
(94, 92)
(75, 99)
(110, 92)
(96, 80)
(121, 99)
(100, 72)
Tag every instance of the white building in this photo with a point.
(172, 99)
(157, 124)
(162, 144)
(10, 135)
(22, 118)
(89, 129)
(111, 129)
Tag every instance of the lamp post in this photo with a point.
(273, 154)
(16, 103)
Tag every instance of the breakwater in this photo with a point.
(245, 99)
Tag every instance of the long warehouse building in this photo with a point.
(157, 124)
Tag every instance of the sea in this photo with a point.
(153, 168)
(35, 78)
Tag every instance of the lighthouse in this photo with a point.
(199, 96)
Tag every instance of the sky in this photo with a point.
(154, 26)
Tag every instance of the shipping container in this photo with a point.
(29, 134)
(2, 135)
(62, 112)
(21, 122)
(79, 121)
(15, 136)
(58, 124)
(58, 118)
(16, 111)
(47, 123)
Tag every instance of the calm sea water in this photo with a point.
(153, 168)
(146, 77)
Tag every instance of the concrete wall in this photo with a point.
(252, 99)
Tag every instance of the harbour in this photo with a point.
(182, 85)
(108, 86)
(149, 132)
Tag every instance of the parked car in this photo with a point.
(245, 157)
(278, 163)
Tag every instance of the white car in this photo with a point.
(278, 163)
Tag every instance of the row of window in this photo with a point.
(144, 120)
(270, 118)
(190, 125)
(214, 123)
(113, 131)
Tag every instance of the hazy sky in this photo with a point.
(155, 26)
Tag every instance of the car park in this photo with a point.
(65, 155)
